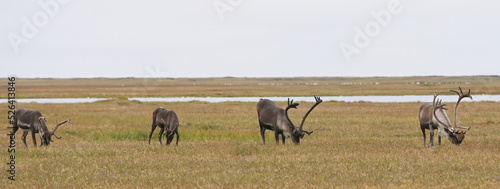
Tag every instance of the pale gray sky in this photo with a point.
(248, 38)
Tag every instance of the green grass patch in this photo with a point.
(107, 135)
(211, 126)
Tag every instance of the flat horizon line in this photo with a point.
(237, 77)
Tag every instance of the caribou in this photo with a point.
(34, 122)
(433, 116)
(167, 120)
(272, 117)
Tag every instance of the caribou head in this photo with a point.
(44, 133)
(170, 131)
(297, 131)
(449, 130)
(47, 135)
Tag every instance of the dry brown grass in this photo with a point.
(322, 86)
(353, 145)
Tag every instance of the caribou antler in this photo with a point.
(290, 105)
(307, 132)
(58, 137)
(437, 105)
(318, 101)
(165, 125)
(53, 132)
(461, 95)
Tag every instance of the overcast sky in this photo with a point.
(248, 38)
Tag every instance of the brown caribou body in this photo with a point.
(34, 122)
(433, 116)
(167, 120)
(272, 117)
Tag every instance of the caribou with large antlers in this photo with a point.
(34, 122)
(167, 120)
(272, 117)
(433, 116)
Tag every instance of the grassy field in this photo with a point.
(229, 87)
(354, 145)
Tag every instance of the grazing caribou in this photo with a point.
(34, 122)
(167, 120)
(272, 117)
(433, 116)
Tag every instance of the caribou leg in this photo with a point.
(161, 133)
(439, 139)
(263, 133)
(153, 127)
(423, 132)
(277, 137)
(177, 140)
(432, 135)
(34, 138)
(25, 133)
(283, 138)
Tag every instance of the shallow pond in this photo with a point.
(385, 99)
